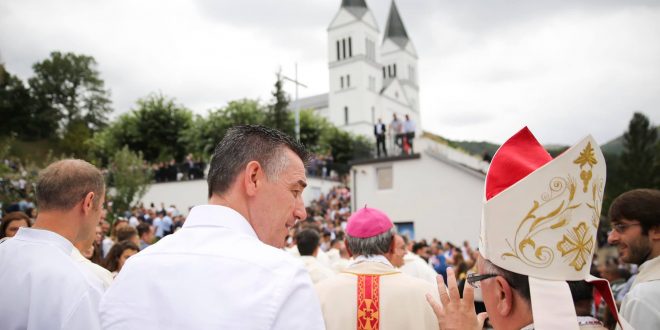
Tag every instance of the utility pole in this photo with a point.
(295, 81)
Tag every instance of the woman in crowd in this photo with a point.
(118, 254)
(11, 222)
(108, 242)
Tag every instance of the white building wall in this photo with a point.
(186, 194)
(441, 200)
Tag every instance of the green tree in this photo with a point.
(154, 129)
(205, 133)
(345, 147)
(639, 159)
(20, 114)
(70, 85)
(129, 178)
(278, 113)
(312, 127)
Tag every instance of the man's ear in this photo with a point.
(348, 249)
(88, 202)
(391, 249)
(504, 294)
(254, 174)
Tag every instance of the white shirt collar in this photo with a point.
(218, 216)
(375, 258)
(44, 236)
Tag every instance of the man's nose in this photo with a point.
(613, 237)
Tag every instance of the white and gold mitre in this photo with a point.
(541, 215)
(540, 218)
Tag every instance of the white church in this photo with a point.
(436, 192)
(371, 75)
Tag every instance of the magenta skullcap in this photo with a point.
(368, 222)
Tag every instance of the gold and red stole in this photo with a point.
(368, 302)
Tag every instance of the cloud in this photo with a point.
(565, 68)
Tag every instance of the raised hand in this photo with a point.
(452, 311)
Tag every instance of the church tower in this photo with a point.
(399, 63)
(354, 70)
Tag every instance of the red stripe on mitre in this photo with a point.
(519, 156)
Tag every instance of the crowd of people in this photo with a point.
(229, 264)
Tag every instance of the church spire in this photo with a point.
(394, 29)
(356, 7)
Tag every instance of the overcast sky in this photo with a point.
(487, 68)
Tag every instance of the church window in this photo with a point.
(389, 71)
(343, 47)
(384, 177)
(341, 80)
(338, 55)
(394, 69)
(345, 115)
(384, 76)
(373, 115)
(348, 80)
(350, 47)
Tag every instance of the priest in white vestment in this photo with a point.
(371, 293)
(308, 246)
(43, 286)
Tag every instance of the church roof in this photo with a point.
(356, 7)
(315, 102)
(394, 29)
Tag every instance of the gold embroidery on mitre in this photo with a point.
(587, 157)
(579, 242)
(524, 247)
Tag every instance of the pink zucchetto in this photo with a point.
(368, 222)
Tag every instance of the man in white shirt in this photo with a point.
(409, 131)
(308, 246)
(43, 287)
(635, 217)
(225, 269)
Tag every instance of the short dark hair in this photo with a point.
(418, 246)
(143, 228)
(642, 205)
(518, 282)
(307, 241)
(246, 143)
(125, 233)
(64, 183)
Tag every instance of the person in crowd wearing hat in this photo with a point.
(371, 293)
(43, 287)
(225, 269)
(538, 231)
(635, 217)
(308, 246)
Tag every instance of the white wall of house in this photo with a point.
(186, 194)
(441, 199)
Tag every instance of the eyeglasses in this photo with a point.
(473, 279)
(621, 227)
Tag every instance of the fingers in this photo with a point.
(468, 295)
(442, 291)
(451, 282)
(481, 318)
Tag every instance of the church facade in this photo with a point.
(372, 75)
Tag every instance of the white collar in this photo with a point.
(44, 236)
(218, 216)
(374, 258)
